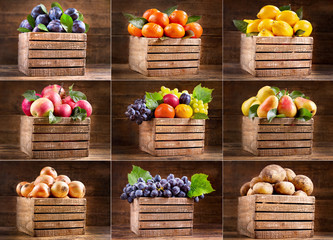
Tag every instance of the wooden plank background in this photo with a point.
(237, 173)
(235, 94)
(97, 92)
(94, 175)
(317, 12)
(126, 132)
(211, 21)
(96, 14)
(208, 210)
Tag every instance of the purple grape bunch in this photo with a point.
(139, 112)
(158, 187)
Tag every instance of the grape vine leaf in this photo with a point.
(136, 173)
(153, 100)
(203, 93)
(30, 95)
(199, 185)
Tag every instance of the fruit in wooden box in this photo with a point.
(41, 190)
(287, 106)
(270, 102)
(307, 104)
(41, 107)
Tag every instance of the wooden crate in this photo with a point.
(157, 58)
(156, 217)
(172, 136)
(47, 217)
(281, 137)
(65, 139)
(52, 54)
(276, 56)
(276, 216)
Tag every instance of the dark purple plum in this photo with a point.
(78, 27)
(25, 24)
(42, 19)
(55, 13)
(55, 26)
(73, 13)
(36, 11)
(185, 99)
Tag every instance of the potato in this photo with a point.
(286, 188)
(300, 193)
(303, 183)
(290, 175)
(254, 181)
(250, 192)
(262, 188)
(245, 188)
(273, 173)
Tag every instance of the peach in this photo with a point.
(41, 107)
(54, 88)
(84, 104)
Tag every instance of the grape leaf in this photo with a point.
(240, 25)
(53, 119)
(21, 29)
(170, 10)
(31, 21)
(286, 7)
(200, 116)
(138, 22)
(30, 95)
(76, 95)
(153, 100)
(199, 185)
(136, 173)
(203, 93)
(55, 4)
(253, 111)
(79, 114)
(42, 27)
(193, 19)
(304, 114)
(66, 22)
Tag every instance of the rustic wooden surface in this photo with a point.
(235, 236)
(200, 232)
(237, 173)
(95, 176)
(316, 12)
(92, 233)
(126, 133)
(211, 22)
(207, 211)
(96, 14)
(94, 72)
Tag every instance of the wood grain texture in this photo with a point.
(96, 14)
(211, 21)
(237, 173)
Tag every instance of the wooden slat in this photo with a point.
(59, 209)
(59, 224)
(282, 64)
(40, 54)
(166, 209)
(171, 72)
(282, 56)
(284, 48)
(179, 144)
(179, 152)
(180, 129)
(268, 128)
(284, 225)
(173, 64)
(285, 136)
(279, 121)
(57, 45)
(59, 201)
(282, 72)
(284, 152)
(173, 49)
(57, 63)
(60, 137)
(284, 199)
(147, 200)
(57, 36)
(59, 217)
(179, 136)
(63, 121)
(284, 144)
(283, 40)
(178, 121)
(166, 224)
(61, 154)
(59, 232)
(284, 216)
(46, 72)
(273, 207)
(166, 216)
(165, 232)
(284, 234)
(173, 56)
(171, 41)
(59, 145)
(60, 129)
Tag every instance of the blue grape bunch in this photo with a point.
(158, 187)
(139, 112)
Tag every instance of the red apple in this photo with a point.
(69, 101)
(171, 99)
(54, 88)
(63, 110)
(41, 107)
(26, 104)
(84, 104)
(54, 97)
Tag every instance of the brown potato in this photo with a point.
(300, 193)
(262, 188)
(254, 181)
(303, 183)
(245, 188)
(290, 175)
(250, 192)
(273, 173)
(286, 188)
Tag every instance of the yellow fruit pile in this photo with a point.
(273, 22)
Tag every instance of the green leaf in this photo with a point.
(286, 7)
(67, 22)
(31, 21)
(299, 13)
(199, 185)
(192, 19)
(240, 25)
(299, 32)
(296, 94)
(276, 90)
(251, 34)
(21, 29)
(79, 114)
(129, 16)
(202, 93)
(253, 111)
(42, 27)
(76, 95)
(87, 27)
(200, 116)
(53, 119)
(80, 18)
(271, 114)
(139, 22)
(55, 4)
(153, 100)
(43, 8)
(188, 34)
(136, 173)
(281, 93)
(164, 38)
(304, 114)
(170, 10)
(30, 95)
(280, 116)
